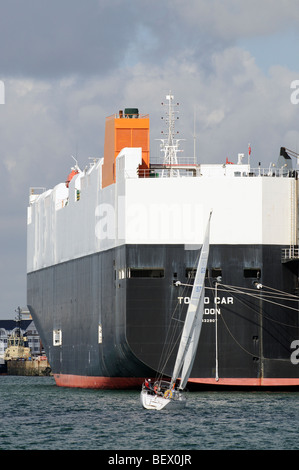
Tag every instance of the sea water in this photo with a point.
(38, 415)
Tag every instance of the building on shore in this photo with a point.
(9, 328)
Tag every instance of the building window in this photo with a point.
(100, 335)
(121, 273)
(216, 272)
(253, 273)
(190, 273)
(57, 337)
(146, 272)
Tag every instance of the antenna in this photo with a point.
(194, 137)
(76, 163)
(170, 145)
(75, 159)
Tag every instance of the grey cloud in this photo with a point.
(58, 38)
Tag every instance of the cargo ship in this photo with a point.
(111, 253)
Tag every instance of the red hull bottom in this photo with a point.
(109, 383)
(245, 382)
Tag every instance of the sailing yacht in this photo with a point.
(165, 393)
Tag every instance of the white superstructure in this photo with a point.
(249, 207)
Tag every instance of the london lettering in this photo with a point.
(215, 309)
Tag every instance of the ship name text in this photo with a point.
(217, 300)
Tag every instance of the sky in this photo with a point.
(66, 65)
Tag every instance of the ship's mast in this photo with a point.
(170, 145)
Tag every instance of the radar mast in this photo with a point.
(170, 145)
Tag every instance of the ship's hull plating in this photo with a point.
(114, 311)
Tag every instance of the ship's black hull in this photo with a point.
(3, 368)
(132, 293)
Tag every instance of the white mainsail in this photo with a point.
(193, 321)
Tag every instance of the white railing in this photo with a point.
(192, 170)
(272, 172)
(34, 192)
(290, 253)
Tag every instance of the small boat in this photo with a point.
(166, 393)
